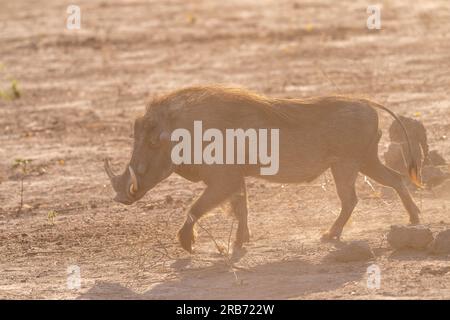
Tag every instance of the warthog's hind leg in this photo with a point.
(345, 173)
(238, 203)
(388, 177)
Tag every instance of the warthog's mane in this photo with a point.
(285, 109)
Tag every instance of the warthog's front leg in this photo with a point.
(215, 193)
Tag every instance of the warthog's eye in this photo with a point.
(158, 139)
(154, 141)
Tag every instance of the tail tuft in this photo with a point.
(414, 174)
(413, 170)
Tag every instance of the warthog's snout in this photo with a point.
(126, 185)
(120, 199)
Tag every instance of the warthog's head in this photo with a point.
(150, 162)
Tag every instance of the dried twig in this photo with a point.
(229, 237)
(367, 181)
(221, 251)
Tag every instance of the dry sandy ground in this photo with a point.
(81, 90)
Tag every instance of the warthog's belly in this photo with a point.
(299, 172)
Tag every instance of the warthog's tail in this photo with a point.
(412, 164)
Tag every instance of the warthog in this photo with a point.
(316, 134)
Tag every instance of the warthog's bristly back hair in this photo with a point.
(273, 106)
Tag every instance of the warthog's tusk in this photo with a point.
(134, 183)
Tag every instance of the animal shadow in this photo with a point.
(273, 280)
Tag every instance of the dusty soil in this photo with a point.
(81, 89)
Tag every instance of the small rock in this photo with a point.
(394, 158)
(409, 237)
(353, 251)
(435, 159)
(435, 271)
(441, 244)
(443, 190)
(169, 199)
(433, 176)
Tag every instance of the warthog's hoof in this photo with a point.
(239, 243)
(186, 237)
(241, 238)
(330, 236)
(414, 221)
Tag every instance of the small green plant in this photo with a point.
(51, 216)
(21, 164)
(3, 95)
(13, 92)
(15, 89)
